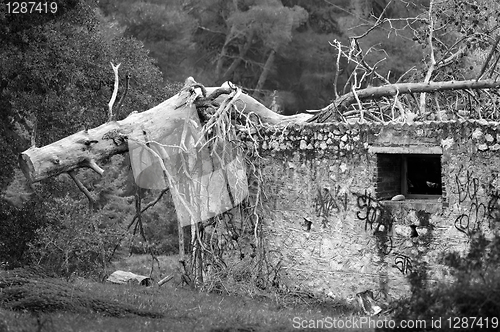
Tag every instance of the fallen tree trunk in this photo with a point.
(88, 147)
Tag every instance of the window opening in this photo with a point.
(412, 175)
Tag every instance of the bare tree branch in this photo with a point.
(92, 200)
(115, 91)
(337, 69)
(432, 63)
(392, 90)
(117, 113)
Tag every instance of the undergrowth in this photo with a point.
(75, 242)
(475, 291)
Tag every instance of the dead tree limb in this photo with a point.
(115, 91)
(120, 102)
(147, 207)
(432, 64)
(79, 184)
(327, 114)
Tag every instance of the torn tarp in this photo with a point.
(204, 182)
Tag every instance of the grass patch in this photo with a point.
(31, 303)
(22, 290)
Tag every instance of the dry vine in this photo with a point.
(226, 126)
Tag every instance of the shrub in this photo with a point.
(474, 293)
(17, 228)
(75, 241)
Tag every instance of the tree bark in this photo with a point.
(89, 147)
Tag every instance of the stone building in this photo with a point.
(334, 216)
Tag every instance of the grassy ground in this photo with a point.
(172, 308)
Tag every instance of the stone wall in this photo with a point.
(326, 218)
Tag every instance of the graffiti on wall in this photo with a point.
(373, 213)
(468, 188)
(477, 211)
(379, 219)
(403, 263)
(329, 202)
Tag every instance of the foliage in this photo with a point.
(252, 34)
(160, 228)
(55, 79)
(17, 228)
(75, 241)
(58, 75)
(475, 291)
(79, 241)
(269, 21)
(164, 28)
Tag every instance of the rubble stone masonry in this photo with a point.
(327, 214)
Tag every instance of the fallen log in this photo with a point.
(88, 148)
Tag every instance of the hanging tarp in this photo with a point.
(204, 181)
